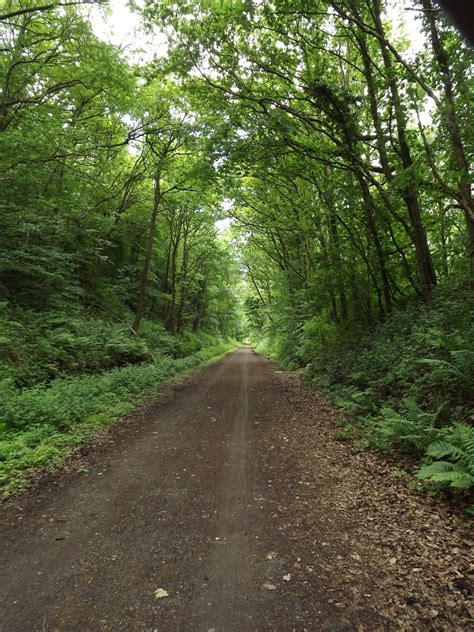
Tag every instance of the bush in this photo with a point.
(409, 431)
(38, 347)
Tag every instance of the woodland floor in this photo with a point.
(231, 494)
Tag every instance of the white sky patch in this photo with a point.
(406, 23)
(120, 26)
(426, 113)
(218, 162)
(227, 204)
(224, 224)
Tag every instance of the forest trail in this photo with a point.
(230, 494)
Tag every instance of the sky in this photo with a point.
(120, 26)
(117, 24)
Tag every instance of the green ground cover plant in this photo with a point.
(40, 425)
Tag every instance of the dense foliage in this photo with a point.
(340, 150)
(107, 210)
(345, 151)
(405, 384)
(109, 252)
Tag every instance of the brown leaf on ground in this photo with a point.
(363, 521)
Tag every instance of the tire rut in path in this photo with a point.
(230, 569)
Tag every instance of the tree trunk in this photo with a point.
(200, 305)
(170, 321)
(425, 265)
(374, 235)
(339, 265)
(182, 285)
(451, 121)
(148, 253)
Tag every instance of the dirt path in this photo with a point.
(231, 494)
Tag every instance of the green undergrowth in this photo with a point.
(40, 425)
(37, 347)
(406, 385)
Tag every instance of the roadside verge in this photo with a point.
(41, 426)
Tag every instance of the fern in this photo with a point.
(453, 458)
(413, 430)
(445, 368)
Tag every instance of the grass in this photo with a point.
(40, 426)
